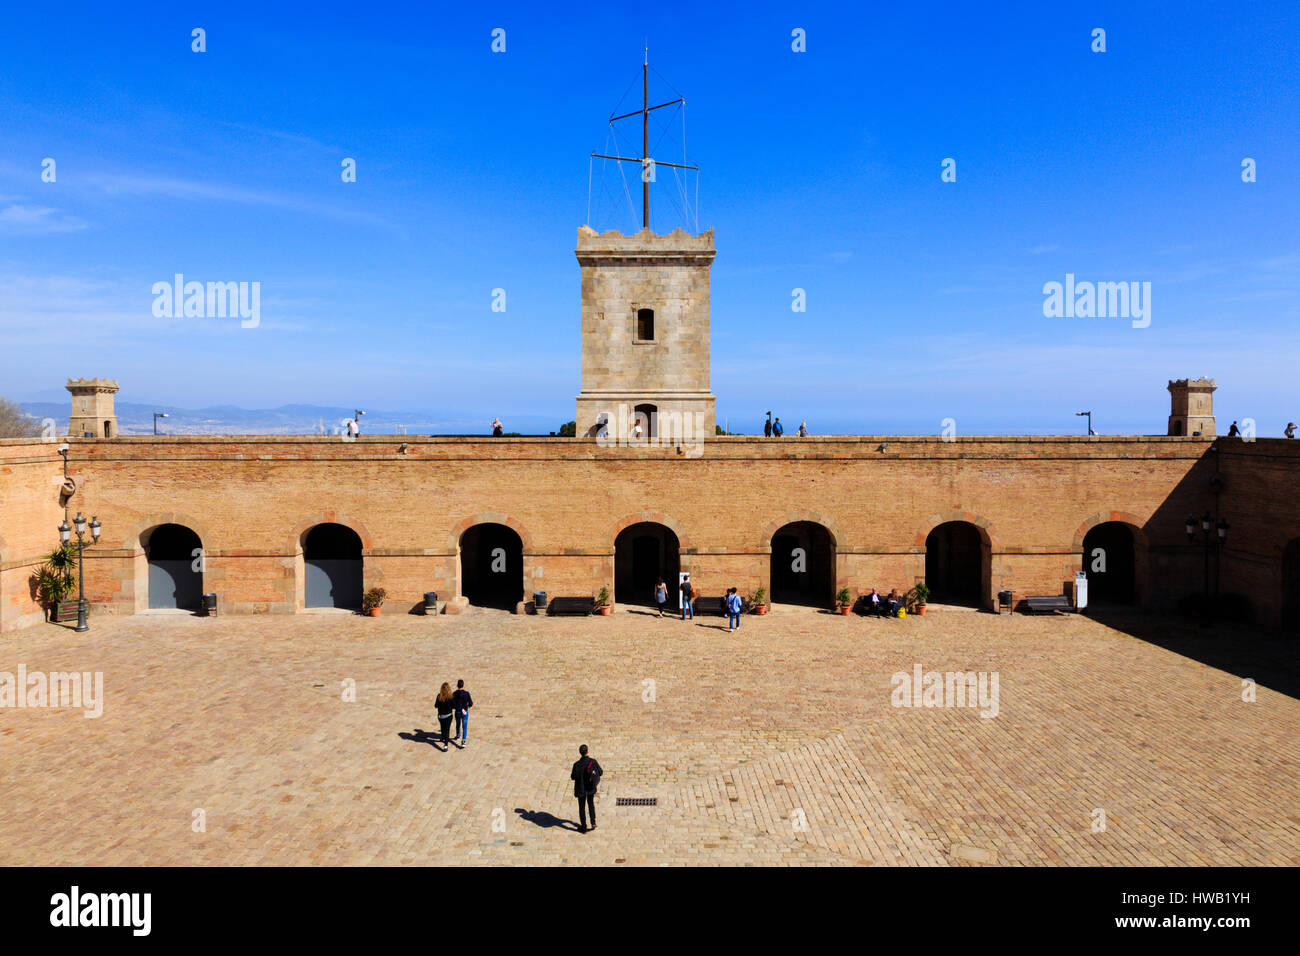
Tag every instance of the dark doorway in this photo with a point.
(492, 566)
(803, 565)
(648, 415)
(956, 564)
(332, 564)
(174, 553)
(1110, 561)
(643, 554)
(1291, 587)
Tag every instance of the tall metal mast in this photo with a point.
(646, 163)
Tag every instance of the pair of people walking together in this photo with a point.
(454, 704)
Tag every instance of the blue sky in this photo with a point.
(820, 170)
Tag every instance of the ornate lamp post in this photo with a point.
(1213, 536)
(65, 534)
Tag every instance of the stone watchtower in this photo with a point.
(93, 415)
(1191, 407)
(645, 334)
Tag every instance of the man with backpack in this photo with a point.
(586, 778)
(733, 610)
(688, 598)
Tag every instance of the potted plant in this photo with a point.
(844, 600)
(602, 601)
(373, 601)
(919, 595)
(56, 580)
(758, 600)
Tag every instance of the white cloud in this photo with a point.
(26, 219)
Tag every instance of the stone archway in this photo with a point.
(491, 565)
(175, 560)
(958, 557)
(802, 565)
(334, 571)
(644, 554)
(1116, 541)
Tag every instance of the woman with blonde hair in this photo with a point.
(446, 707)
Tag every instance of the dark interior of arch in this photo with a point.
(174, 578)
(492, 566)
(333, 567)
(954, 563)
(803, 565)
(643, 553)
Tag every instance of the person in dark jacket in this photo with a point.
(461, 702)
(445, 709)
(585, 789)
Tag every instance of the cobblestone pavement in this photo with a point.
(775, 746)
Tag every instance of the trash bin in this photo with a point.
(210, 604)
(1004, 601)
(430, 602)
(539, 600)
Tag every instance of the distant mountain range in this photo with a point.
(135, 419)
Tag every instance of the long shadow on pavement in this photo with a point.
(1270, 658)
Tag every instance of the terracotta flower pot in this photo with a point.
(844, 608)
(373, 611)
(760, 608)
(920, 609)
(604, 610)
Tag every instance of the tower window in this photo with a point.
(645, 325)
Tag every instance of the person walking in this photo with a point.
(1234, 431)
(445, 709)
(461, 702)
(803, 429)
(585, 775)
(1290, 430)
(688, 596)
(777, 429)
(767, 426)
(733, 610)
(661, 595)
(497, 428)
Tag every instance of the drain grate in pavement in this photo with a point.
(636, 802)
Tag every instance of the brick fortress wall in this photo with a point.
(251, 501)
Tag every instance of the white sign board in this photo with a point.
(1080, 590)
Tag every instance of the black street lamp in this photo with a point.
(1089, 414)
(65, 534)
(156, 416)
(1213, 536)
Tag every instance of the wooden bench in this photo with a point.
(571, 606)
(1048, 604)
(711, 605)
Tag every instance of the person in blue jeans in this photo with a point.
(733, 610)
(461, 702)
(688, 596)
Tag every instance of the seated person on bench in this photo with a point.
(893, 601)
(875, 604)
